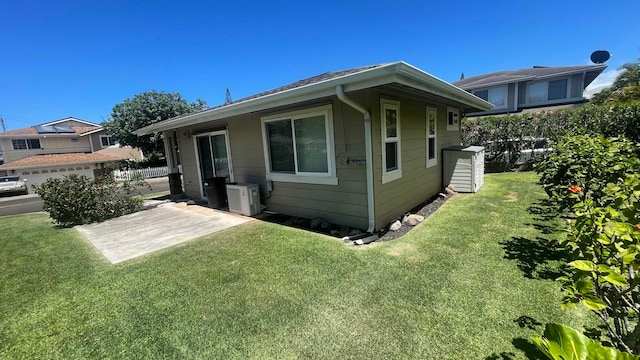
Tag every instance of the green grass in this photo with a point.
(447, 290)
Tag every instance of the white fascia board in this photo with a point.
(92, 132)
(69, 119)
(421, 80)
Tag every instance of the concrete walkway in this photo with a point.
(146, 231)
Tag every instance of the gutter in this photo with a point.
(368, 153)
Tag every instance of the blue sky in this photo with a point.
(80, 58)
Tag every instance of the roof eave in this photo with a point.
(398, 72)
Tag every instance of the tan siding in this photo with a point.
(49, 145)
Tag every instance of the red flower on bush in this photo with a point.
(575, 189)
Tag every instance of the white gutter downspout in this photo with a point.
(368, 153)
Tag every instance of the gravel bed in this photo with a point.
(425, 210)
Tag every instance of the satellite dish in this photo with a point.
(600, 56)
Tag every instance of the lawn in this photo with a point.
(471, 282)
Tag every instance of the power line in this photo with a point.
(2, 122)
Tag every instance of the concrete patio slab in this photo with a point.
(168, 224)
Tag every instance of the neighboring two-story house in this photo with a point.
(536, 89)
(57, 148)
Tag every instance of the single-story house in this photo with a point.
(358, 147)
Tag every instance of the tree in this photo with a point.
(145, 109)
(625, 88)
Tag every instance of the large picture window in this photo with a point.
(391, 160)
(432, 136)
(299, 146)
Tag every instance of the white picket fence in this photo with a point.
(141, 173)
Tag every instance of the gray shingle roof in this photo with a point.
(502, 77)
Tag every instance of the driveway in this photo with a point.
(146, 231)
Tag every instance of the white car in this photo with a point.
(13, 185)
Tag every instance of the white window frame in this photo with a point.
(108, 137)
(328, 178)
(27, 144)
(388, 176)
(506, 96)
(453, 119)
(432, 112)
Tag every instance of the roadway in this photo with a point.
(23, 204)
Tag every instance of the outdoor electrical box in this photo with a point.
(463, 167)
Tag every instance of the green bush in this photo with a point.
(596, 182)
(75, 199)
(505, 136)
(587, 162)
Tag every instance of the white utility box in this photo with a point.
(463, 167)
(244, 199)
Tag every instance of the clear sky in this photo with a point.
(80, 58)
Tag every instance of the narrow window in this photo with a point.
(391, 159)
(453, 119)
(432, 133)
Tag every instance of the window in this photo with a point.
(432, 134)
(557, 89)
(453, 119)
(496, 96)
(391, 150)
(25, 144)
(547, 90)
(107, 140)
(299, 146)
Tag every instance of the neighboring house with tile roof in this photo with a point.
(535, 89)
(58, 148)
(359, 147)
(69, 135)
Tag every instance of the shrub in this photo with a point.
(75, 199)
(505, 136)
(587, 162)
(604, 238)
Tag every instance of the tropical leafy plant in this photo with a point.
(604, 238)
(560, 342)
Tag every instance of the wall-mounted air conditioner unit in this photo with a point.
(244, 199)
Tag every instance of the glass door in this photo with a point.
(213, 156)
